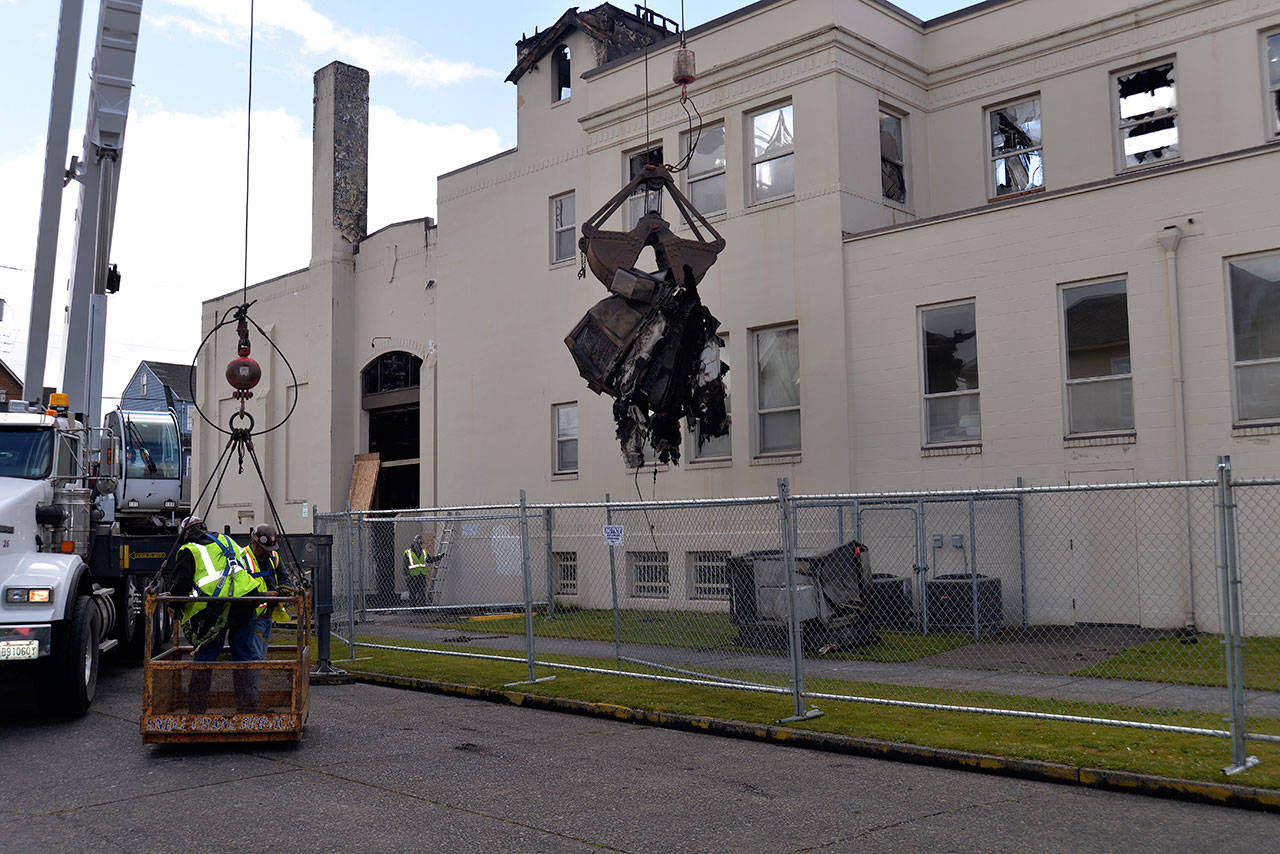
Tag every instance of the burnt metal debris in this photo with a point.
(652, 345)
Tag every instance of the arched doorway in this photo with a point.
(389, 394)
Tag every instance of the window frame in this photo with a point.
(923, 368)
(659, 560)
(893, 112)
(993, 157)
(1065, 355)
(1270, 91)
(1119, 125)
(628, 220)
(565, 585)
(557, 439)
(721, 172)
(758, 412)
(556, 231)
(1234, 362)
(753, 161)
(698, 559)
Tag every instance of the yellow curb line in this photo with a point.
(1222, 794)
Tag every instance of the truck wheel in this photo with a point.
(161, 630)
(130, 615)
(70, 677)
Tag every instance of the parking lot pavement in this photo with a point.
(387, 770)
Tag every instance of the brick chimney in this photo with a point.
(340, 162)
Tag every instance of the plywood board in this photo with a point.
(364, 479)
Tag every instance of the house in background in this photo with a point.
(157, 386)
(10, 383)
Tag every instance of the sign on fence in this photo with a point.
(613, 535)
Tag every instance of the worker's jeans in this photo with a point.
(244, 647)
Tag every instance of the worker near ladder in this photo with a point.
(209, 564)
(416, 574)
(264, 564)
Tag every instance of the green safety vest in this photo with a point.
(278, 613)
(417, 561)
(215, 575)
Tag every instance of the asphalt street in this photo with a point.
(381, 769)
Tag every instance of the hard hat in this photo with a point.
(192, 526)
(417, 538)
(265, 535)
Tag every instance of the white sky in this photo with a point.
(438, 101)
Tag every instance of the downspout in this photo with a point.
(1169, 238)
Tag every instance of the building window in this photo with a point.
(778, 389)
(1147, 116)
(717, 447)
(705, 173)
(391, 372)
(1255, 339)
(950, 339)
(1099, 383)
(1273, 82)
(566, 573)
(643, 199)
(562, 85)
(564, 417)
(893, 177)
(1017, 164)
(144, 385)
(773, 171)
(649, 576)
(562, 227)
(708, 575)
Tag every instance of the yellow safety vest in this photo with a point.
(219, 571)
(417, 561)
(278, 613)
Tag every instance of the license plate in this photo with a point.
(17, 650)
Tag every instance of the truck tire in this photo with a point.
(70, 677)
(130, 618)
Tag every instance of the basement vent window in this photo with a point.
(1147, 101)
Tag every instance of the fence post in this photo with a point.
(1022, 554)
(1231, 625)
(528, 584)
(795, 640)
(613, 584)
(973, 571)
(351, 593)
(364, 582)
(547, 526)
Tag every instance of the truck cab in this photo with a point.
(149, 493)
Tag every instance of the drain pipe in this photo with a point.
(1169, 237)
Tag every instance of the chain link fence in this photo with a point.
(1151, 605)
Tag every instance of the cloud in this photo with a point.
(381, 53)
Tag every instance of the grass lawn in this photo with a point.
(691, 629)
(1167, 660)
(1119, 748)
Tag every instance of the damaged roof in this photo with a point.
(614, 33)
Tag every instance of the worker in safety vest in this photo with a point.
(416, 574)
(264, 564)
(209, 564)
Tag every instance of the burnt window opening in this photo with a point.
(893, 181)
(563, 85)
(1017, 161)
(643, 200)
(1273, 81)
(1147, 103)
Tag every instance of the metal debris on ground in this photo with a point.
(651, 345)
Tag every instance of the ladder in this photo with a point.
(440, 570)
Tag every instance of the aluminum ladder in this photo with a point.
(440, 570)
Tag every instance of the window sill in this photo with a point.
(1099, 439)
(567, 262)
(963, 450)
(901, 207)
(648, 467)
(561, 102)
(769, 204)
(711, 463)
(1018, 195)
(564, 475)
(776, 460)
(1144, 167)
(1267, 428)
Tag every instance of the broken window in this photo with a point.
(1099, 384)
(950, 338)
(1273, 82)
(564, 419)
(649, 575)
(1148, 116)
(708, 575)
(773, 171)
(566, 573)
(1255, 340)
(778, 389)
(893, 180)
(1017, 162)
(562, 228)
(562, 86)
(705, 174)
(706, 447)
(643, 200)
